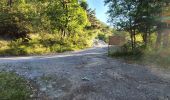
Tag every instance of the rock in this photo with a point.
(85, 79)
(43, 89)
(31, 95)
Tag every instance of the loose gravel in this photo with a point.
(90, 75)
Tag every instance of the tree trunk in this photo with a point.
(158, 40)
(145, 37)
(132, 44)
(131, 34)
(165, 39)
(134, 38)
(10, 2)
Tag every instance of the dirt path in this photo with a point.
(90, 75)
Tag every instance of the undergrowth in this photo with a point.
(13, 87)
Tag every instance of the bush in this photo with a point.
(13, 24)
(127, 52)
(144, 55)
(103, 37)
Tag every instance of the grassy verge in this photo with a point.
(43, 44)
(13, 87)
(155, 58)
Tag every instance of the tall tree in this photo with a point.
(66, 16)
(95, 24)
(135, 16)
(122, 16)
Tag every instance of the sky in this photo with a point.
(101, 10)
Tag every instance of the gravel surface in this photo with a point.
(90, 75)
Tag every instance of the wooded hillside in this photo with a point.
(45, 26)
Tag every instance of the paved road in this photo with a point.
(90, 75)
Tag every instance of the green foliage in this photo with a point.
(68, 18)
(102, 37)
(47, 43)
(30, 27)
(13, 87)
(137, 17)
(12, 24)
(105, 32)
(147, 28)
(126, 51)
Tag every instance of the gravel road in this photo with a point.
(90, 75)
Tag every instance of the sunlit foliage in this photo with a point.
(44, 26)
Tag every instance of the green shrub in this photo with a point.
(126, 51)
(47, 43)
(103, 37)
(13, 24)
(144, 55)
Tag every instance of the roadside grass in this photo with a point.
(13, 87)
(42, 44)
(158, 58)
